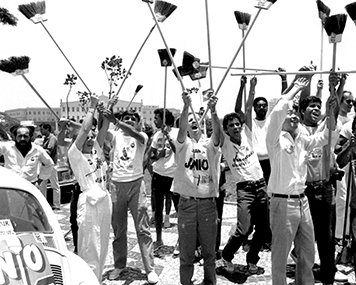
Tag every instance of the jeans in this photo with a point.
(353, 235)
(197, 219)
(252, 210)
(73, 215)
(131, 195)
(219, 208)
(161, 186)
(322, 209)
(291, 221)
(266, 169)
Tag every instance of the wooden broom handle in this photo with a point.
(209, 46)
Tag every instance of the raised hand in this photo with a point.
(301, 83)
(283, 76)
(243, 79)
(253, 81)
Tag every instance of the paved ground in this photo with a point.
(167, 265)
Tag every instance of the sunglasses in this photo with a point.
(132, 118)
(350, 101)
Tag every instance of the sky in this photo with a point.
(287, 35)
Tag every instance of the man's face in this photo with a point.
(291, 121)
(89, 142)
(233, 129)
(347, 102)
(23, 138)
(44, 131)
(130, 120)
(158, 121)
(194, 126)
(312, 113)
(261, 108)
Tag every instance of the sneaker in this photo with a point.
(157, 245)
(115, 273)
(152, 277)
(293, 255)
(340, 277)
(252, 268)
(229, 266)
(167, 223)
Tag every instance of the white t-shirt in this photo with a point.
(259, 132)
(198, 168)
(127, 157)
(164, 166)
(242, 159)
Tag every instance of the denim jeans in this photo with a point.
(291, 221)
(161, 186)
(353, 235)
(131, 195)
(197, 219)
(252, 210)
(322, 209)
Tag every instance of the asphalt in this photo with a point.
(167, 265)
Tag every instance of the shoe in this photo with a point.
(152, 277)
(167, 223)
(157, 245)
(340, 277)
(293, 255)
(176, 250)
(252, 268)
(229, 266)
(115, 273)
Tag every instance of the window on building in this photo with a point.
(34, 112)
(43, 113)
(139, 109)
(73, 109)
(64, 109)
(83, 109)
(144, 112)
(77, 109)
(29, 112)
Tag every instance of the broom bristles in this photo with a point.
(13, 64)
(243, 19)
(264, 4)
(335, 24)
(351, 10)
(33, 9)
(164, 56)
(163, 10)
(190, 63)
(138, 88)
(7, 18)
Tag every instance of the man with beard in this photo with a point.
(290, 216)
(24, 157)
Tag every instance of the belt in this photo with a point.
(243, 184)
(315, 183)
(295, 196)
(196, 198)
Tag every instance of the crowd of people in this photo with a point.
(291, 165)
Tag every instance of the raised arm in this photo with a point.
(298, 85)
(283, 79)
(238, 103)
(249, 103)
(103, 117)
(215, 121)
(319, 88)
(183, 121)
(340, 89)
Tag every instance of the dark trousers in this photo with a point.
(353, 235)
(219, 208)
(161, 186)
(73, 215)
(323, 212)
(252, 211)
(266, 169)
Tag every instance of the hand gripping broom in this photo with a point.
(35, 11)
(324, 11)
(19, 66)
(161, 11)
(243, 20)
(261, 5)
(7, 18)
(334, 27)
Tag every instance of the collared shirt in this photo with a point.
(288, 155)
(27, 167)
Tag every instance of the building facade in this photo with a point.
(37, 114)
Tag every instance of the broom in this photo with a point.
(261, 5)
(7, 18)
(243, 20)
(334, 27)
(324, 11)
(162, 9)
(138, 88)
(190, 63)
(351, 10)
(36, 13)
(19, 66)
(209, 46)
(133, 62)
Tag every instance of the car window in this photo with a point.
(23, 210)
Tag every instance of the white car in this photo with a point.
(32, 246)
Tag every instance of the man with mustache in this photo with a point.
(24, 157)
(290, 216)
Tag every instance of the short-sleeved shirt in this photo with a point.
(128, 156)
(259, 132)
(198, 168)
(164, 166)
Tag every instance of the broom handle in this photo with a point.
(292, 72)
(129, 70)
(171, 57)
(133, 97)
(243, 65)
(328, 152)
(232, 62)
(209, 46)
(38, 94)
(65, 56)
(321, 49)
(239, 68)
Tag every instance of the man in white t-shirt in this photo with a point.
(162, 149)
(129, 193)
